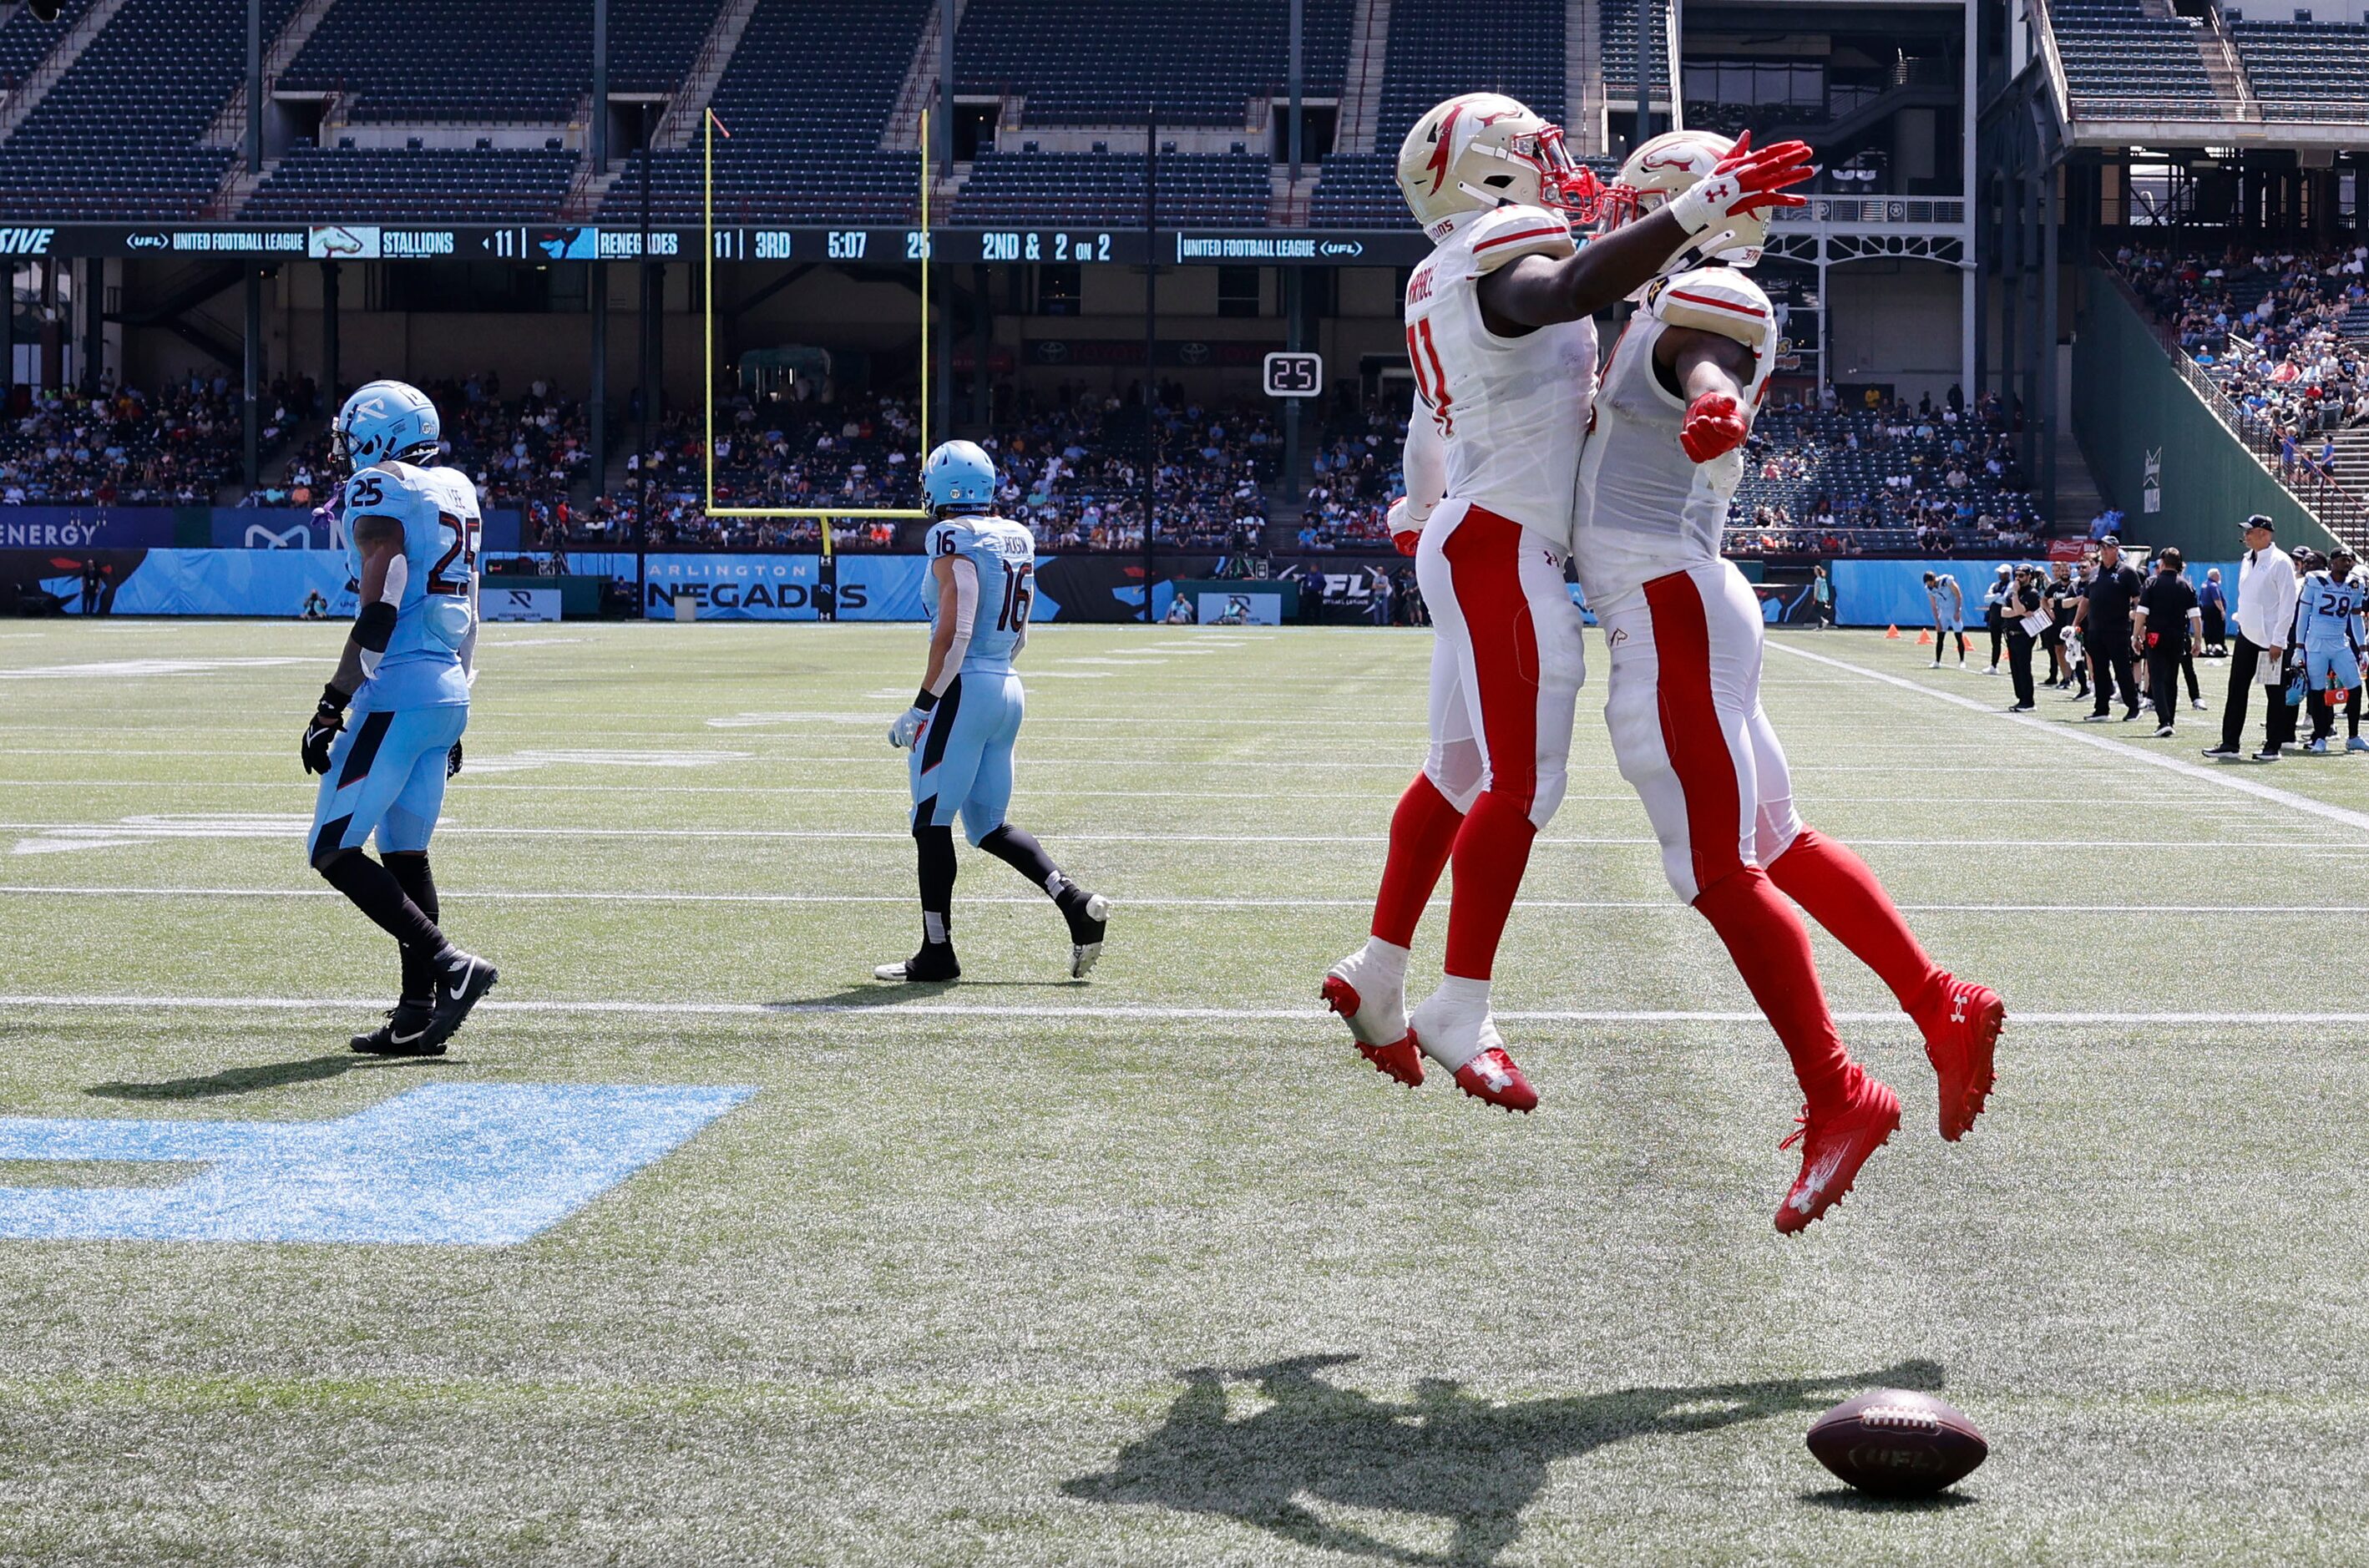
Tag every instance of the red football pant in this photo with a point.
(1506, 667)
(1423, 830)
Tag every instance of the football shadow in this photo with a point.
(889, 994)
(1849, 1500)
(1472, 1462)
(269, 1075)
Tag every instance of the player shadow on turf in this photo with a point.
(883, 993)
(1472, 1462)
(266, 1075)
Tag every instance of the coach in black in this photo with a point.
(2169, 617)
(2105, 621)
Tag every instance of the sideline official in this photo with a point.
(2267, 591)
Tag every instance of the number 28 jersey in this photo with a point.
(1004, 553)
(423, 666)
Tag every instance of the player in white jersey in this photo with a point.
(1685, 632)
(1504, 349)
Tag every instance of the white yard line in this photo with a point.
(1137, 1013)
(2230, 776)
(166, 832)
(1128, 902)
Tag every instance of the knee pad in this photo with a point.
(1455, 771)
(326, 853)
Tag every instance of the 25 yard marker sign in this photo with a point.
(1295, 375)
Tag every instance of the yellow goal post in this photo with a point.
(707, 182)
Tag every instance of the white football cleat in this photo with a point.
(1370, 997)
(1086, 929)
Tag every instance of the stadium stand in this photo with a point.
(434, 184)
(1115, 57)
(2300, 67)
(1437, 49)
(26, 40)
(173, 447)
(1223, 188)
(2118, 57)
(1897, 478)
(805, 100)
(521, 60)
(116, 136)
(1618, 20)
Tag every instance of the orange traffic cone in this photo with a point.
(1891, 633)
(1923, 638)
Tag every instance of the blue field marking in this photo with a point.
(471, 1165)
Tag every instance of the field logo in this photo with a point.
(450, 1166)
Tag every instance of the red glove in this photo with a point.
(1749, 179)
(1715, 425)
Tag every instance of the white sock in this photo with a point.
(1387, 958)
(1455, 1014)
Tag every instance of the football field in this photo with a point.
(702, 1248)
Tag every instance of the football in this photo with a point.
(1897, 1443)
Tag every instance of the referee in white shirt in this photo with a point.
(2267, 591)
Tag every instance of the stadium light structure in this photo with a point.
(707, 313)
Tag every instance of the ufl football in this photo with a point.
(1898, 1443)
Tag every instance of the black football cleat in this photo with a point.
(405, 1033)
(934, 965)
(1088, 917)
(460, 983)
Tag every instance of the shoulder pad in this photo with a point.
(1715, 299)
(947, 537)
(451, 489)
(1509, 234)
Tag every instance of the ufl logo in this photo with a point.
(2151, 485)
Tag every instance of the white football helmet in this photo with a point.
(1484, 150)
(1668, 166)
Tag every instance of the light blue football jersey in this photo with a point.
(1004, 553)
(2331, 611)
(441, 533)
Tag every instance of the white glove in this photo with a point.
(1406, 531)
(908, 728)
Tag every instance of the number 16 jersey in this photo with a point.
(1004, 553)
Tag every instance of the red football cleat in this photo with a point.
(1834, 1146)
(1493, 1078)
(1961, 1022)
(1396, 1059)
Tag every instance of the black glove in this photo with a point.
(453, 760)
(328, 721)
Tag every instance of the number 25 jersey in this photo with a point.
(1004, 553)
(423, 666)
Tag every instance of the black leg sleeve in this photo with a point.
(377, 893)
(1018, 849)
(936, 849)
(419, 884)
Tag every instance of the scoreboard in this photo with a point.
(1058, 245)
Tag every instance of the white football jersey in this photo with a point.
(1643, 508)
(1509, 411)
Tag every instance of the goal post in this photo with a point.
(707, 185)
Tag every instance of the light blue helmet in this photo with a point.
(385, 420)
(958, 473)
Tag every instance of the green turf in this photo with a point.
(1067, 1277)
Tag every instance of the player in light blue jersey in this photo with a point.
(963, 723)
(2330, 628)
(414, 535)
(1948, 604)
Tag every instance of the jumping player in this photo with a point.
(1949, 602)
(1499, 330)
(1662, 462)
(407, 667)
(2331, 629)
(963, 723)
